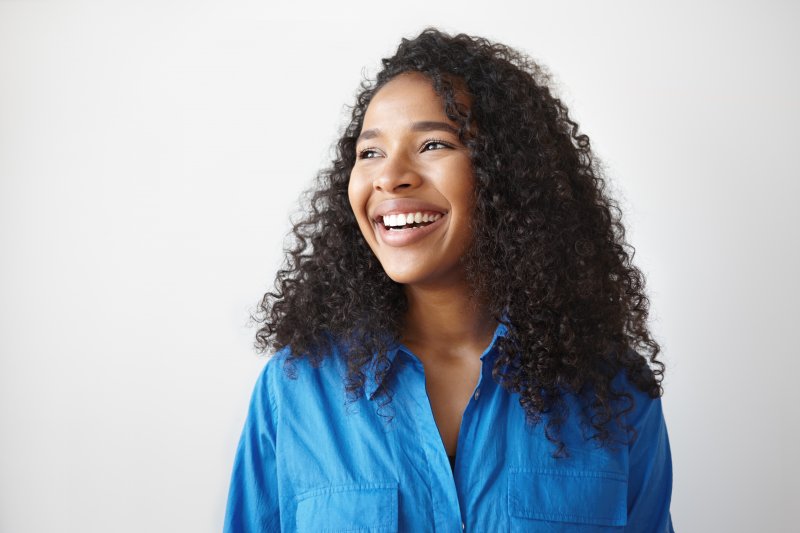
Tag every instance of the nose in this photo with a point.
(396, 173)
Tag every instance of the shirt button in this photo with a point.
(462, 526)
(477, 393)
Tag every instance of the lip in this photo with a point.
(404, 237)
(404, 205)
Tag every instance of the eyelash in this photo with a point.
(424, 145)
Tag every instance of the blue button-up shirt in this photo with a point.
(307, 462)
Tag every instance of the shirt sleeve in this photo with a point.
(650, 475)
(253, 504)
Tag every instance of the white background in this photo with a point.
(152, 152)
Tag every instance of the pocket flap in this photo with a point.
(362, 507)
(579, 496)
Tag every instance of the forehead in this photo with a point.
(408, 96)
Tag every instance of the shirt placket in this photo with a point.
(467, 441)
(444, 497)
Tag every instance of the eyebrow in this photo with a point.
(425, 125)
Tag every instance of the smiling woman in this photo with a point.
(411, 164)
(461, 337)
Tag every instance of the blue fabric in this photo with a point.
(305, 462)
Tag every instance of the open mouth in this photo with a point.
(403, 221)
(404, 229)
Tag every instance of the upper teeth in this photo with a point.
(401, 219)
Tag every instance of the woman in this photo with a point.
(461, 289)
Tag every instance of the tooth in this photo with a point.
(392, 220)
(417, 217)
(425, 217)
(409, 218)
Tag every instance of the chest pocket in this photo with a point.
(567, 500)
(370, 507)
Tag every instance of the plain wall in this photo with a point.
(152, 152)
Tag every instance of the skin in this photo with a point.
(445, 328)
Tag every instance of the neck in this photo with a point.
(447, 317)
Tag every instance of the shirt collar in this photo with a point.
(371, 383)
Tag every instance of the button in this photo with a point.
(477, 393)
(462, 526)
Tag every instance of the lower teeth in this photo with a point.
(413, 226)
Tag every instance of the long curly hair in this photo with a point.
(548, 254)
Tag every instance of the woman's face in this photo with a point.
(411, 188)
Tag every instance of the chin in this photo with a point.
(415, 277)
(403, 278)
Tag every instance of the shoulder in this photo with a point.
(286, 375)
(641, 412)
(293, 366)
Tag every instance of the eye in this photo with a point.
(368, 153)
(434, 144)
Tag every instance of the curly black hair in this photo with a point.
(548, 254)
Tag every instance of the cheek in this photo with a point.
(357, 195)
(463, 193)
(466, 199)
(353, 196)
